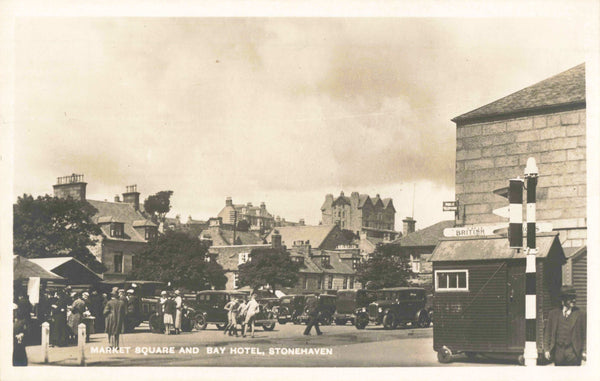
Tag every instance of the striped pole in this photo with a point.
(530, 353)
(515, 223)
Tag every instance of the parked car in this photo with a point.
(399, 306)
(146, 296)
(351, 303)
(267, 315)
(326, 306)
(290, 307)
(210, 307)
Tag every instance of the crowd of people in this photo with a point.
(169, 309)
(242, 313)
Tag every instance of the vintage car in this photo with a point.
(210, 309)
(399, 306)
(349, 304)
(326, 307)
(290, 307)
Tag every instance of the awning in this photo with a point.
(490, 248)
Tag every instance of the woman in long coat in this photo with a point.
(114, 313)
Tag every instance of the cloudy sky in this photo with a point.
(277, 110)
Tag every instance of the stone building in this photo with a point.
(259, 219)
(325, 237)
(125, 229)
(546, 121)
(220, 234)
(359, 212)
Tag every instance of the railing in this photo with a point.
(74, 178)
(131, 188)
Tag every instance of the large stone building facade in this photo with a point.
(546, 121)
(259, 219)
(125, 229)
(361, 213)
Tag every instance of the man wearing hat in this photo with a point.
(565, 335)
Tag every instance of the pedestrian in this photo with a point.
(76, 316)
(19, 357)
(58, 320)
(133, 310)
(169, 312)
(178, 311)
(114, 314)
(250, 312)
(312, 309)
(565, 335)
(232, 315)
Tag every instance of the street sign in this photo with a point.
(472, 231)
(540, 227)
(502, 212)
(450, 206)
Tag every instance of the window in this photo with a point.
(305, 285)
(330, 283)
(150, 233)
(242, 258)
(325, 261)
(118, 262)
(415, 264)
(116, 229)
(355, 262)
(452, 280)
(351, 282)
(236, 280)
(320, 282)
(345, 284)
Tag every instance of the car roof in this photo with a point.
(222, 292)
(402, 289)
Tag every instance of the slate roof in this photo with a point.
(118, 212)
(429, 236)
(566, 88)
(223, 237)
(313, 263)
(490, 248)
(315, 234)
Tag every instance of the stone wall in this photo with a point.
(110, 248)
(489, 154)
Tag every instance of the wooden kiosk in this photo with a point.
(479, 294)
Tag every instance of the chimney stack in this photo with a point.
(301, 222)
(70, 186)
(276, 239)
(408, 225)
(132, 196)
(228, 201)
(117, 198)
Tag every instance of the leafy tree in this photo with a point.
(158, 205)
(180, 259)
(385, 268)
(269, 267)
(53, 227)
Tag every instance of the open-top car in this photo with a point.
(351, 303)
(400, 306)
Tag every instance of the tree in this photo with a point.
(54, 227)
(385, 268)
(269, 267)
(180, 259)
(158, 205)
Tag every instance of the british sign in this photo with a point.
(479, 231)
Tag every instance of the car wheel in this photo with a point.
(423, 321)
(221, 327)
(281, 321)
(362, 321)
(444, 355)
(200, 322)
(269, 327)
(389, 321)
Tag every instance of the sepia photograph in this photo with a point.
(300, 193)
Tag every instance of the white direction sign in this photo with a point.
(479, 231)
(502, 212)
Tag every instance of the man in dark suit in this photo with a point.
(564, 338)
(312, 308)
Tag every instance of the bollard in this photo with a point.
(81, 344)
(45, 340)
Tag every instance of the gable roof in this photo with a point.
(314, 234)
(67, 267)
(118, 212)
(566, 88)
(429, 236)
(491, 248)
(24, 269)
(313, 262)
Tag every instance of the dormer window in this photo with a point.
(299, 260)
(325, 261)
(117, 229)
(242, 258)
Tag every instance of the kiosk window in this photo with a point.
(452, 280)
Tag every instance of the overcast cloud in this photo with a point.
(275, 110)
